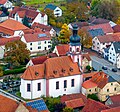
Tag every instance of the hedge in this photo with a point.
(14, 71)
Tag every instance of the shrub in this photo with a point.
(14, 71)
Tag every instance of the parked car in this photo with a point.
(104, 67)
(114, 69)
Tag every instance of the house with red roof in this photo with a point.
(32, 15)
(11, 27)
(113, 101)
(44, 28)
(37, 42)
(3, 42)
(75, 101)
(6, 3)
(102, 42)
(102, 85)
(94, 106)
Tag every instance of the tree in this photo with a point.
(25, 21)
(16, 53)
(107, 9)
(1, 71)
(93, 96)
(86, 39)
(67, 109)
(64, 34)
(78, 9)
(59, 107)
(88, 67)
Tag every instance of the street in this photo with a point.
(98, 63)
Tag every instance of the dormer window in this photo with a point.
(36, 73)
(63, 70)
(71, 69)
(55, 72)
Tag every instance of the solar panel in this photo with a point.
(38, 104)
(42, 35)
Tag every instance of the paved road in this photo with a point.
(97, 64)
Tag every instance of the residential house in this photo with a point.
(116, 28)
(94, 106)
(52, 78)
(107, 29)
(3, 16)
(113, 101)
(95, 21)
(37, 42)
(44, 28)
(36, 61)
(102, 42)
(115, 109)
(31, 15)
(3, 42)
(61, 50)
(12, 28)
(75, 101)
(6, 3)
(56, 10)
(114, 52)
(101, 85)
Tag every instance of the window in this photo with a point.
(31, 48)
(39, 86)
(65, 83)
(49, 46)
(95, 89)
(111, 83)
(77, 49)
(28, 87)
(30, 43)
(45, 42)
(49, 42)
(97, 43)
(93, 41)
(39, 47)
(70, 49)
(112, 48)
(113, 54)
(114, 89)
(57, 85)
(107, 90)
(90, 90)
(97, 47)
(72, 83)
(39, 42)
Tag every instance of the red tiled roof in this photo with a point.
(116, 28)
(89, 84)
(39, 60)
(52, 68)
(21, 14)
(94, 106)
(9, 26)
(99, 79)
(41, 26)
(87, 56)
(35, 37)
(7, 104)
(65, 98)
(62, 49)
(75, 103)
(116, 109)
(109, 38)
(89, 74)
(3, 1)
(105, 27)
(4, 41)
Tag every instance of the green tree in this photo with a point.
(107, 9)
(64, 34)
(93, 96)
(67, 109)
(16, 52)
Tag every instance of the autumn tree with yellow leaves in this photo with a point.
(64, 34)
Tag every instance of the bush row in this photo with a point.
(14, 71)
